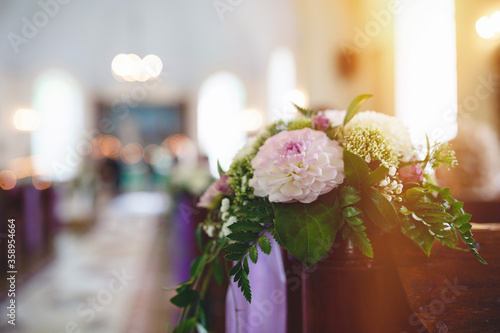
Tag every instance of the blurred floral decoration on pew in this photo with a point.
(189, 179)
(188, 183)
(324, 175)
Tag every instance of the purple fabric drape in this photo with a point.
(33, 220)
(267, 312)
(184, 226)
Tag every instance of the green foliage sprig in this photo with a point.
(255, 219)
(191, 293)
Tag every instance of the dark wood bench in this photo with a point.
(452, 291)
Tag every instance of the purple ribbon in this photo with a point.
(267, 312)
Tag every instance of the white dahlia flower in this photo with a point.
(297, 165)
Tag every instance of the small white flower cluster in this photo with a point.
(228, 220)
(390, 187)
(211, 228)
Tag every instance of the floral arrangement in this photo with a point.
(324, 175)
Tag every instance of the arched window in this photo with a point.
(426, 70)
(57, 145)
(281, 81)
(220, 101)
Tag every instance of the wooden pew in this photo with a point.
(452, 291)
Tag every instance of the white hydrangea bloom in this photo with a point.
(392, 128)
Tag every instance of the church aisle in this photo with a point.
(107, 280)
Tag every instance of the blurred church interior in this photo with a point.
(115, 114)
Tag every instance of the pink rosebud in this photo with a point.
(222, 186)
(412, 173)
(320, 122)
(213, 194)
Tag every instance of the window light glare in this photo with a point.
(495, 21)
(484, 27)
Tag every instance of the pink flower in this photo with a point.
(412, 173)
(213, 193)
(320, 122)
(222, 186)
(297, 165)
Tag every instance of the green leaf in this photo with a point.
(245, 265)
(467, 238)
(361, 241)
(184, 286)
(414, 194)
(246, 226)
(355, 168)
(375, 176)
(218, 271)
(198, 233)
(349, 196)
(304, 111)
(203, 316)
(254, 254)
(219, 169)
(461, 219)
(379, 210)
(354, 107)
(200, 328)
(308, 230)
(244, 237)
(197, 266)
(354, 221)
(456, 207)
(235, 269)
(237, 247)
(234, 256)
(187, 326)
(350, 211)
(265, 244)
(276, 237)
(185, 298)
(245, 287)
(418, 232)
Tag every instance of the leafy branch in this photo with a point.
(190, 293)
(430, 213)
(306, 112)
(352, 223)
(248, 236)
(254, 220)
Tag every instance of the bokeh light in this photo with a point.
(154, 154)
(179, 144)
(7, 179)
(110, 146)
(495, 20)
(22, 167)
(131, 68)
(484, 27)
(132, 153)
(251, 120)
(41, 182)
(27, 120)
